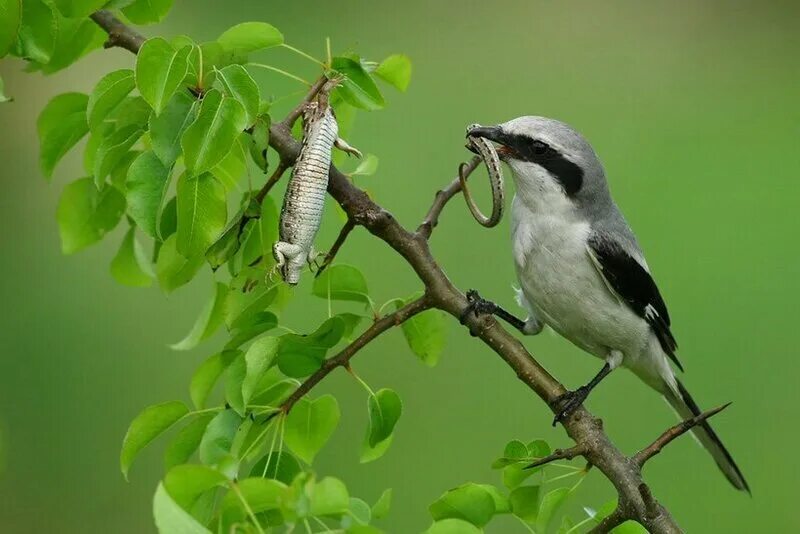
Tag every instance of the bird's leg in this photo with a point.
(480, 306)
(569, 401)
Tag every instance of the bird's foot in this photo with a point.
(477, 305)
(568, 403)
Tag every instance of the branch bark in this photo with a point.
(635, 498)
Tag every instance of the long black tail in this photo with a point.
(686, 408)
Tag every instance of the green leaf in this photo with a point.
(469, 502)
(358, 513)
(241, 305)
(218, 438)
(395, 70)
(425, 333)
(310, 424)
(254, 326)
(132, 111)
(329, 497)
(358, 88)
(453, 526)
(171, 518)
(209, 320)
(10, 20)
(238, 84)
(210, 137)
(341, 282)
(259, 357)
(146, 427)
(112, 151)
(78, 8)
(250, 36)
(174, 270)
(167, 128)
(147, 183)
(259, 142)
(367, 167)
(515, 472)
(234, 377)
(525, 502)
(551, 502)
(382, 506)
(300, 356)
(202, 213)
(147, 11)
(370, 454)
(76, 37)
(109, 93)
(130, 266)
(384, 410)
(515, 452)
(186, 483)
(282, 466)
(61, 125)
(206, 376)
(232, 167)
(260, 494)
(160, 70)
(501, 502)
(85, 214)
(38, 33)
(185, 442)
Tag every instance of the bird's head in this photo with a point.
(546, 153)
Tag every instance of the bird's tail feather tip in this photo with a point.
(686, 407)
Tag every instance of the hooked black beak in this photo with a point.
(492, 133)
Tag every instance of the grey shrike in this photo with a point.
(581, 270)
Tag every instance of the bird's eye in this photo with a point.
(540, 147)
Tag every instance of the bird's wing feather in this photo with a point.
(632, 284)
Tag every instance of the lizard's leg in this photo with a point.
(342, 145)
(287, 257)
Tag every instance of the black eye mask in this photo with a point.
(523, 148)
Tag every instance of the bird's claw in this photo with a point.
(476, 305)
(568, 403)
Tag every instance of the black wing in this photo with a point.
(631, 282)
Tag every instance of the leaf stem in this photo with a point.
(280, 71)
(237, 491)
(303, 54)
(360, 380)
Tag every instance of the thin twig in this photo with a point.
(271, 181)
(119, 34)
(681, 428)
(559, 454)
(293, 115)
(342, 359)
(343, 233)
(441, 199)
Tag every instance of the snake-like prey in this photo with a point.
(485, 149)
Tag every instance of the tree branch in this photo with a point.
(343, 358)
(559, 454)
(119, 34)
(674, 432)
(343, 233)
(441, 199)
(271, 181)
(635, 499)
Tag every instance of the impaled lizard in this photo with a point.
(305, 195)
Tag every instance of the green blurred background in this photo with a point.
(693, 108)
